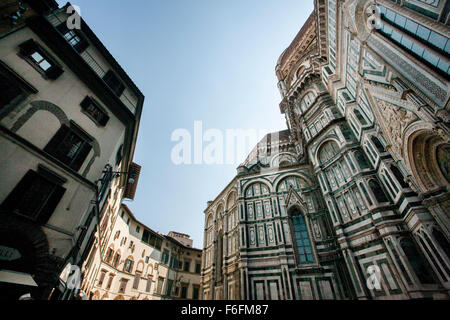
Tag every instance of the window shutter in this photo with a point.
(54, 72)
(62, 28)
(28, 47)
(51, 204)
(10, 203)
(86, 102)
(82, 45)
(113, 82)
(104, 120)
(59, 136)
(76, 165)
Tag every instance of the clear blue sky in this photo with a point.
(208, 60)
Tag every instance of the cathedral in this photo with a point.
(352, 200)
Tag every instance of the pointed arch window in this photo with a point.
(417, 261)
(360, 117)
(361, 159)
(399, 176)
(328, 151)
(378, 144)
(377, 191)
(301, 238)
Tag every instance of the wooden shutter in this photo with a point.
(59, 136)
(62, 28)
(113, 82)
(86, 102)
(28, 47)
(76, 165)
(15, 196)
(54, 72)
(51, 204)
(82, 45)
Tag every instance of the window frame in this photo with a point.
(42, 213)
(60, 136)
(297, 212)
(28, 48)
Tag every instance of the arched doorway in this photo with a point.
(24, 259)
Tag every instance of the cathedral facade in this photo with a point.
(352, 201)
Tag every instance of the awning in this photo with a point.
(15, 277)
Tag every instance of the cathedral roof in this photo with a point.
(265, 145)
(291, 49)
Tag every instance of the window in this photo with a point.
(137, 279)
(138, 229)
(399, 176)
(197, 267)
(195, 292)
(70, 145)
(94, 111)
(165, 257)
(159, 285)
(113, 83)
(109, 255)
(123, 285)
(128, 266)
(427, 45)
(149, 284)
(13, 89)
(116, 260)
(36, 195)
(360, 117)
(11, 93)
(377, 191)
(377, 144)
(73, 37)
(184, 289)
(39, 59)
(417, 261)
(169, 287)
(361, 160)
(128, 221)
(328, 150)
(301, 238)
(110, 280)
(187, 265)
(102, 277)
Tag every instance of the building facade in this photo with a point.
(352, 201)
(69, 116)
(133, 262)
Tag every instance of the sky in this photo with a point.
(194, 60)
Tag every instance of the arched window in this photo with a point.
(399, 176)
(442, 240)
(327, 151)
(377, 191)
(443, 159)
(361, 159)
(360, 117)
(417, 261)
(377, 143)
(301, 237)
(219, 257)
(366, 195)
